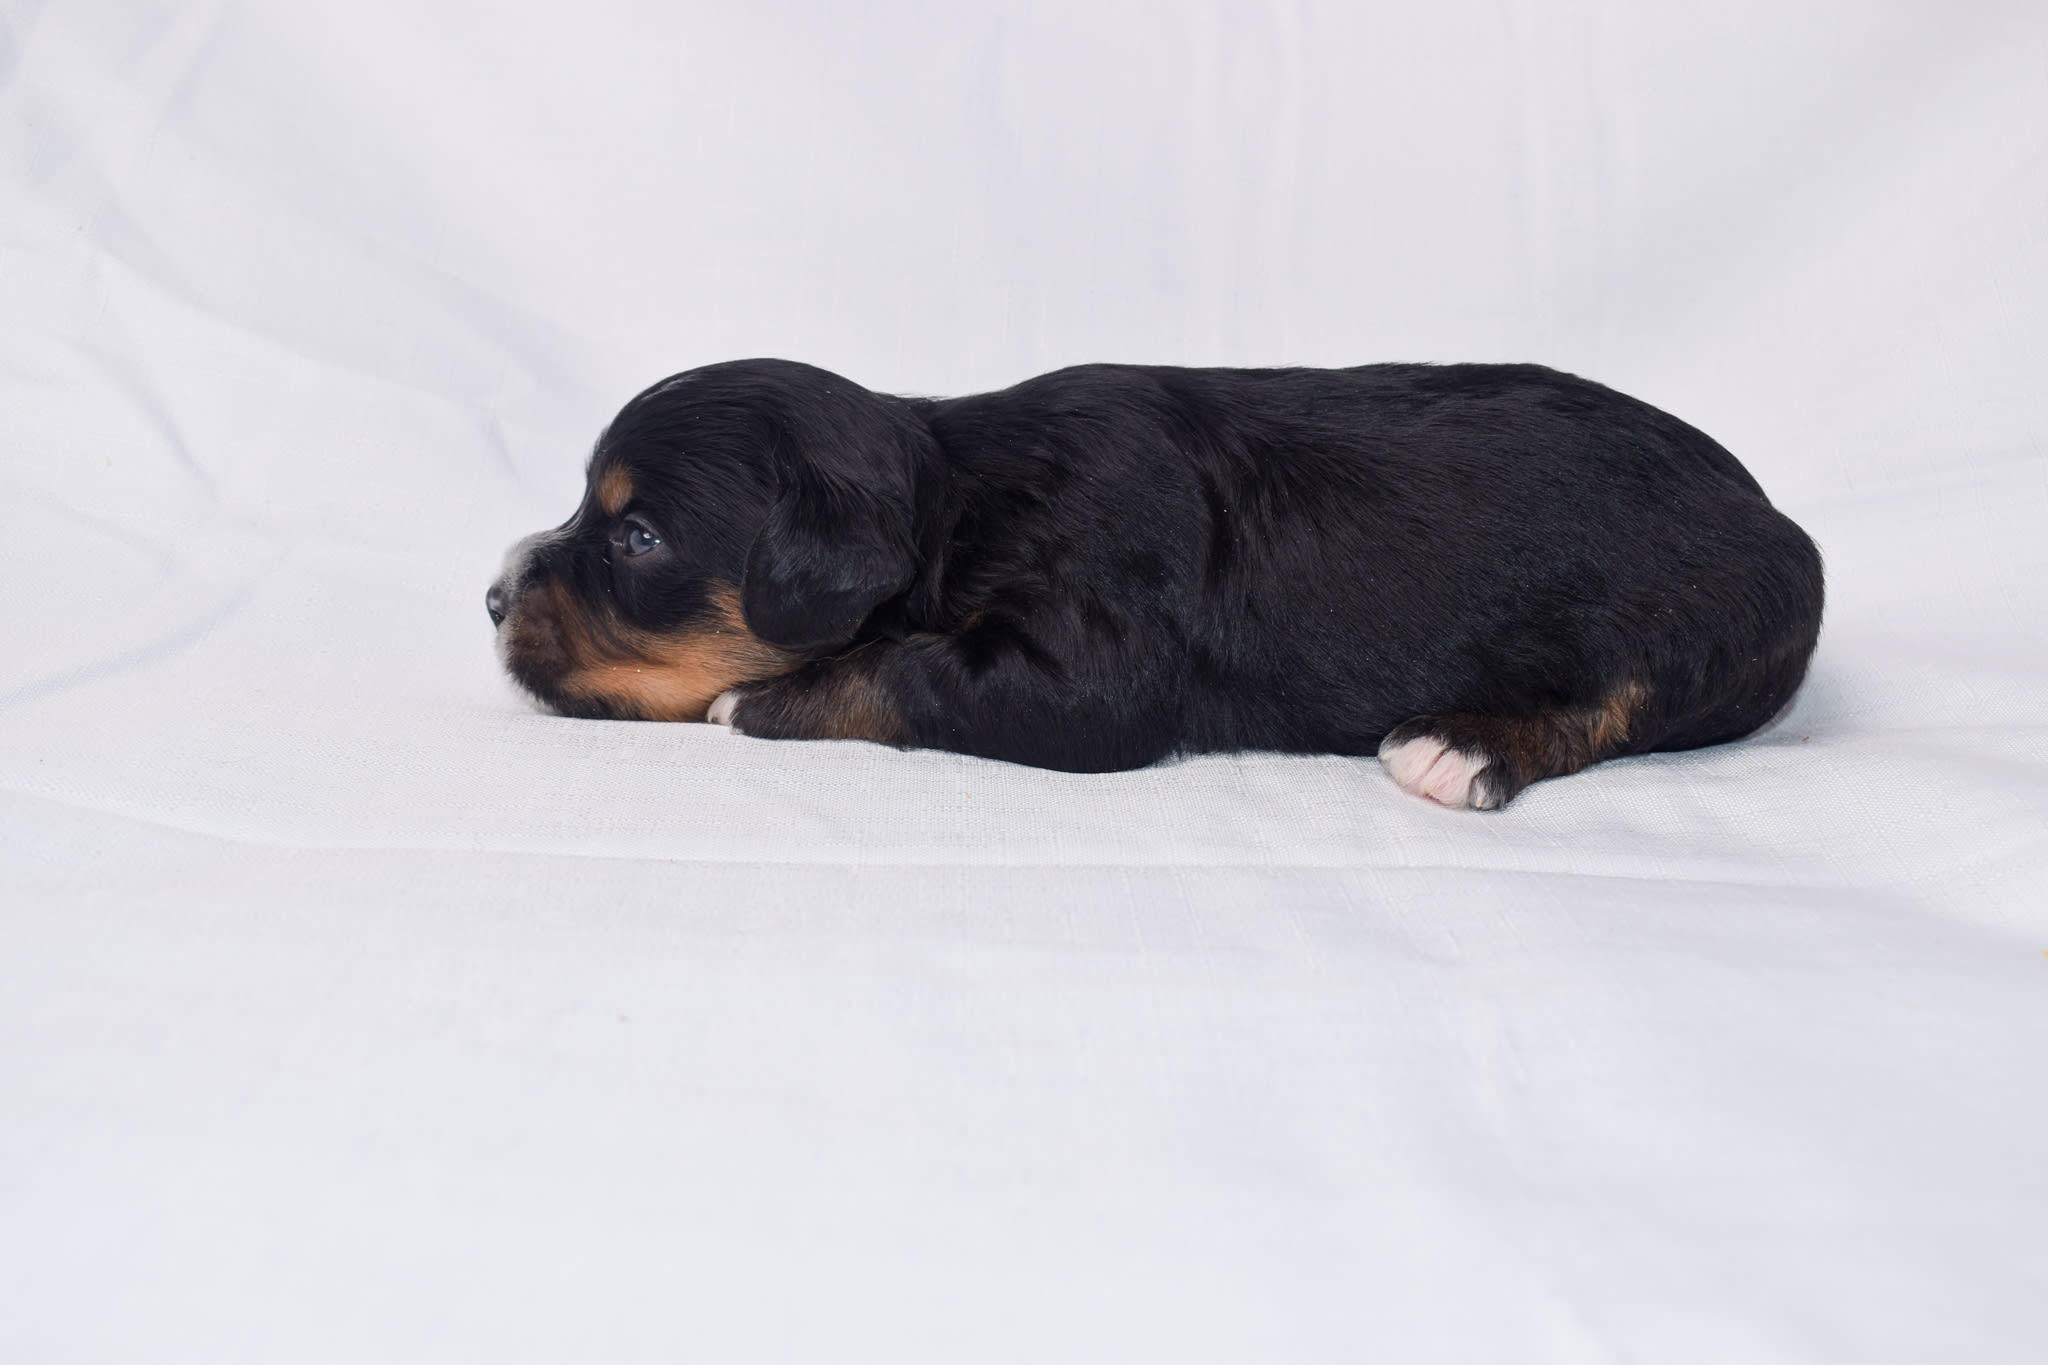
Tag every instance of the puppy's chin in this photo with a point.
(599, 668)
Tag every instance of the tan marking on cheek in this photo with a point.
(654, 677)
(547, 636)
(614, 489)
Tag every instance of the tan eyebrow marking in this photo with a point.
(614, 489)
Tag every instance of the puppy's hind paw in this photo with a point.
(721, 709)
(1426, 765)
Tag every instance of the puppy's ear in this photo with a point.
(829, 555)
(839, 540)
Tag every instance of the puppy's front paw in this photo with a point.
(721, 709)
(1424, 764)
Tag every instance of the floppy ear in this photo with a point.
(828, 556)
(839, 541)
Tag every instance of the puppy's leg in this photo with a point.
(1482, 761)
(990, 691)
(842, 698)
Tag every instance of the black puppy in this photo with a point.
(1485, 574)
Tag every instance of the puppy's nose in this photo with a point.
(494, 603)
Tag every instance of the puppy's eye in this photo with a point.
(635, 539)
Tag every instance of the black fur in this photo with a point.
(1110, 564)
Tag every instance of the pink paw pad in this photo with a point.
(1426, 766)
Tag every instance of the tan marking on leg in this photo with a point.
(1609, 724)
(839, 698)
(1497, 756)
(1554, 743)
(614, 489)
(863, 712)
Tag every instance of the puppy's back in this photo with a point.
(1341, 550)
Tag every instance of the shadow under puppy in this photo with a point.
(1485, 574)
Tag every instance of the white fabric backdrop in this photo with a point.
(350, 1009)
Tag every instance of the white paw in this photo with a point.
(1425, 766)
(720, 712)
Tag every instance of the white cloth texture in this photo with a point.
(350, 1008)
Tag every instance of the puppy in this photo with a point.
(1485, 574)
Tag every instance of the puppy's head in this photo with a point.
(737, 520)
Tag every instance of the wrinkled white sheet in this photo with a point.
(350, 1009)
